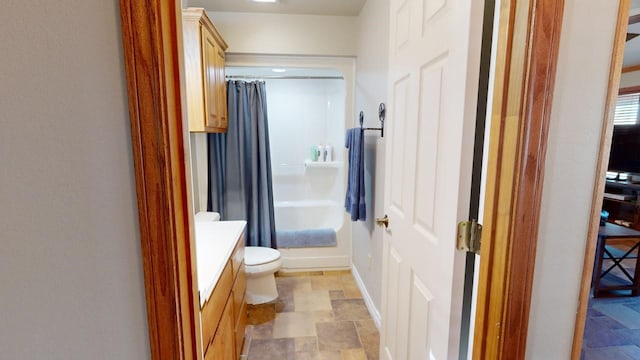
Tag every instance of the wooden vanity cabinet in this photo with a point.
(206, 87)
(224, 315)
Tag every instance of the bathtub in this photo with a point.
(318, 214)
(301, 215)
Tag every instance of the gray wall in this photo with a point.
(70, 263)
(630, 79)
(574, 138)
(371, 90)
(277, 34)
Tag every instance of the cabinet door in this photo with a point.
(241, 324)
(223, 346)
(221, 89)
(240, 307)
(209, 61)
(212, 314)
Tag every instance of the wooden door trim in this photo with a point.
(528, 42)
(622, 91)
(615, 73)
(631, 68)
(152, 57)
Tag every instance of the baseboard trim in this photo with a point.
(375, 314)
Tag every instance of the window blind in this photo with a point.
(627, 108)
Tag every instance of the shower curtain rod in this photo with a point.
(271, 77)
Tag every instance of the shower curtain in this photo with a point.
(239, 176)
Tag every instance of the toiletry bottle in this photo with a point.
(314, 153)
(320, 153)
(329, 153)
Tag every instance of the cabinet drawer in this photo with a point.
(213, 308)
(237, 257)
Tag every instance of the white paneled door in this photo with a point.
(433, 71)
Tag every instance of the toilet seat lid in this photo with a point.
(257, 255)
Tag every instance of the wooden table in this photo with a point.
(611, 231)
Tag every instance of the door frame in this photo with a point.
(527, 54)
(615, 73)
(525, 72)
(153, 62)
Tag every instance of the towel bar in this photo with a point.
(381, 115)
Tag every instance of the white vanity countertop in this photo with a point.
(215, 241)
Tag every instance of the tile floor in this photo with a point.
(319, 315)
(612, 329)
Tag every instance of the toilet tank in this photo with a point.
(204, 216)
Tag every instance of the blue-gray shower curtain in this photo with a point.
(239, 181)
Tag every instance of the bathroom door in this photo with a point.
(433, 84)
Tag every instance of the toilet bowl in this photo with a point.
(261, 264)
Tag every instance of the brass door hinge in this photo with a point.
(469, 236)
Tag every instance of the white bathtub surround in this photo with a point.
(309, 214)
(305, 113)
(320, 258)
(310, 164)
(215, 241)
(319, 214)
(308, 193)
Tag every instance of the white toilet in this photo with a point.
(261, 264)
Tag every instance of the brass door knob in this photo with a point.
(383, 221)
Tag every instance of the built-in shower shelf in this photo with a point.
(322, 164)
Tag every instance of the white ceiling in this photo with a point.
(310, 7)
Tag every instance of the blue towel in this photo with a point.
(305, 238)
(354, 200)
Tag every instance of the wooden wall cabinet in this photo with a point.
(204, 57)
(224, 315)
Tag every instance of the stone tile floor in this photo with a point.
(612, 329)
(318, 316)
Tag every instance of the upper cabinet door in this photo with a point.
(210, 63)
(204, 73)
(221, 88)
